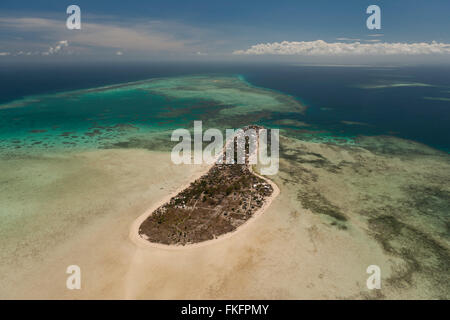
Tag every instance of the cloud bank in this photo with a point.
(32, 35)
(322, 48)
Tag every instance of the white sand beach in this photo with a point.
(289, 252)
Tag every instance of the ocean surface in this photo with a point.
(48, 105)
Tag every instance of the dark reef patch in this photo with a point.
(304, 157)
(317, 203)
(153, 144)
(424, 256)
(293, 171)
(38, 131)
(392, 146)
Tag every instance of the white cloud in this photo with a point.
(5, 53)
(141, 36)
(59, 46)
(109, 36)
(322, 48)
(119, 53)
(393, 85)
(347, 39)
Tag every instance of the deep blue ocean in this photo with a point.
(407, 102)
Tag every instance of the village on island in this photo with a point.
(220, 201)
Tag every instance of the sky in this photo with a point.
(300, 31)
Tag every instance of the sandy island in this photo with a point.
(143, 243)
(142, 240)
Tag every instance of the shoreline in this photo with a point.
(138, 240)
(143, 243)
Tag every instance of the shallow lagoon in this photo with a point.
(105, 116)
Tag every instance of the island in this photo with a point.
(217, 203)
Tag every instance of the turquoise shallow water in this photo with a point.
(106, 116)
(342, 104)
(89, 119)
